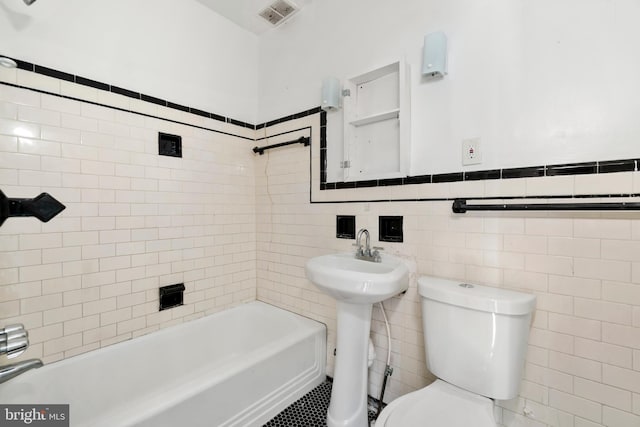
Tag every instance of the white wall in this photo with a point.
(134, 220)
(539, 82)
(176, 50)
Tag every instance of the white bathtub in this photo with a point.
(239, 367)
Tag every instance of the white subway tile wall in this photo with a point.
(582, 367)
(134, 221)
(234, 227)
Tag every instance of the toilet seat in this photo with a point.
(438, 405)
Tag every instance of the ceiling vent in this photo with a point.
(279, 11)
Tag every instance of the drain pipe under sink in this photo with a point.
(388, 370)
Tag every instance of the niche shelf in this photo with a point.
(377, 124)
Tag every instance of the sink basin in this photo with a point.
(356, 281)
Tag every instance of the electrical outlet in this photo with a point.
(471, 152)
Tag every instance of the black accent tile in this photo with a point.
(345, 226)
(218, 117)
(24, 65)
(153, 100)
(323, 176)
(330, 185)
(92, 83)
(617, 166)
(177, 107)
(323, 185)
(370, 183)
(261, 126)
(447, 177)
(527, 172)
(479, 175)
(171, 296)
(418, 179)
(323, 118)
(54, 73)
(169, 145)
(238, 123)
(323, 133)
(200, 112)
(390, 229)
(340, 185)
(390, 181)
(572, 169)
(273, 122)
(125, 92)
(323, 159)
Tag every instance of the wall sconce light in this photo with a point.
(434, 65)
(331, 94)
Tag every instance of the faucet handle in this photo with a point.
(15, 347)
(12, 328)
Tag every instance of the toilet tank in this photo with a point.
(475, 336)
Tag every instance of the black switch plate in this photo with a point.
(171, 296)
(346, 227)
(169, 145)
(390, 229)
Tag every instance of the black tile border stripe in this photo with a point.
(126, 111)
(61, 75)
(93, 83)
(585, 168)
(592, 167)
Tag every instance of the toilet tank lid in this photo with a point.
(477, 297)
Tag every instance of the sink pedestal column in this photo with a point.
(348, 405)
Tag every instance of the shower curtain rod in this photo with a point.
(302, 140)
(461, 206)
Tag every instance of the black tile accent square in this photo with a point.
(390, 229)
(171, 296)
(346, 226)
(169, 145)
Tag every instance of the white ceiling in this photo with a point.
(245, 12)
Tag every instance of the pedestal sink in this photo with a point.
(356, 285)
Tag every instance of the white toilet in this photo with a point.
(476, 340)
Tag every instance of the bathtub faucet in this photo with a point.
(10, 371)
(14, 340)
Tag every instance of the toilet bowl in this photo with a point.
(438, 405)
(475, 343)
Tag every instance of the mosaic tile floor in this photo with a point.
(310, 410)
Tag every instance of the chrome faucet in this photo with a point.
(14, 340)
(10, 371)
(365, 253)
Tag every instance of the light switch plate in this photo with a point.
(471, 151)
